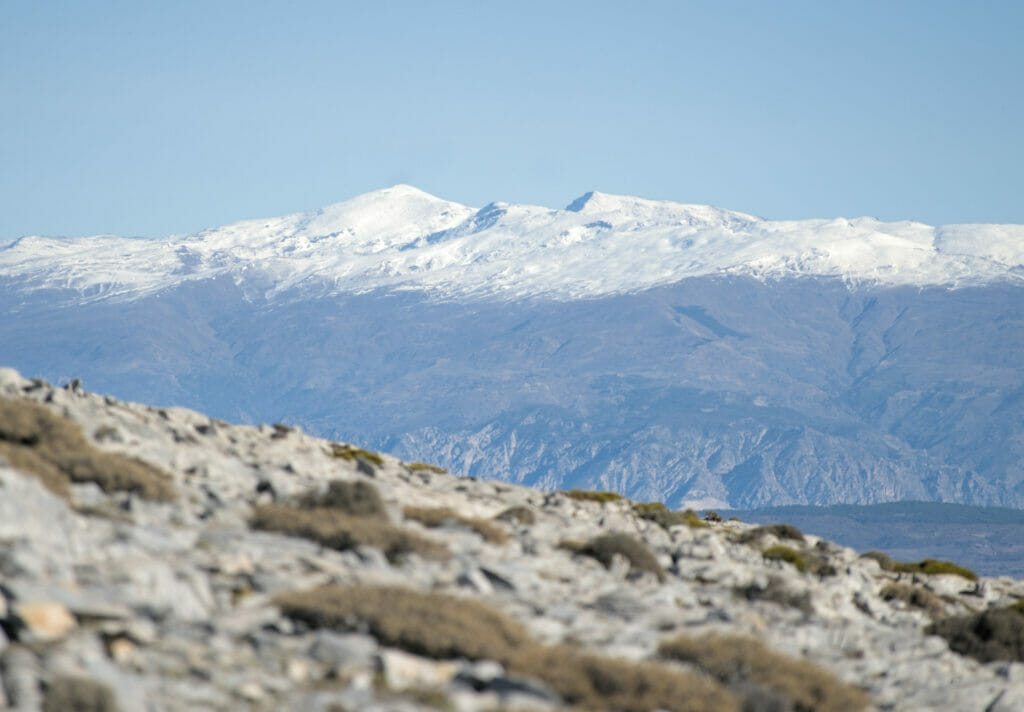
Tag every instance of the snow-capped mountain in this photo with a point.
(668, 351)
(403, 238)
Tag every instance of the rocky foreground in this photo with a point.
(155, 559)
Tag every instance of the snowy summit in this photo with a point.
(404, 238)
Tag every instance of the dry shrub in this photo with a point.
(933, 567)
(592, 496)
(68, 693)
(434, 517)
(360, 499)
(665, 517)
(592, 682)
(52, 448)
(915, 597)
(430, 624)
(776, 591)
(739, 661)
(779, 531)
(441, 626)
(518, 513)
(605, 547)
(338, 530)
(995, 634)
(884, 560)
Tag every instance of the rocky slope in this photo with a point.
(156, 559)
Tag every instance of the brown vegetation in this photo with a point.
(358, 498)
(665, 517)
(434, 517)
(518, 513)
(915, 597)
(776, 591)
(741, 662)
(423, 466)
(604, 548)
(68, 693)
(36, 441)
(779, 531)
(592, 496)
(441, 626)
(335, 529)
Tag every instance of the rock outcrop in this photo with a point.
(155, 559)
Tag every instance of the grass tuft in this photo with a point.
(741, 662)
(53, 449)
(592, 495)
(422, 466)
(441, 626)
(433, 517)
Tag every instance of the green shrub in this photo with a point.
(52, 448)
(605, 547)
(350, 453)
(518, 513)
(441, 626)
(915, 597)
(741, 662)
(933, 567)
(711, 515)
(592, 496)
(72, 693)
(995, 634)
(784, 553)
(335, 529)
(665, 517)
(434, 517)
(1017, 607)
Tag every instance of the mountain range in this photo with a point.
(689, 354)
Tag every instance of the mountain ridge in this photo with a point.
(403, 238)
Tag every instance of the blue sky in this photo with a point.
(151, 118)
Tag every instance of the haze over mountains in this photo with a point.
(675, 352)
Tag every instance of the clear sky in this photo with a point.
(151, 118)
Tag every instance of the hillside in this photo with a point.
(160, 559)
